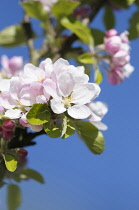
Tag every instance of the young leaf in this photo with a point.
(98, 77)
(63, 7)
(13, 197)
(67, 128)
(78, 28)
(10, 162)
(52, 130)
(35, 9)
(38, 114)
(91, 136)
(134, 26)
(86, 58)
(98, 36)
(12, 36)
(32, 174)
(109, 18)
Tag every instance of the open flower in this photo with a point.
(73, 98)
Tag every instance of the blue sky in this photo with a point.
(75, 178)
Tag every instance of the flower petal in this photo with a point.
(100, 125)
(79, 112)
(57, 106)
(66, 84)
(13, 113)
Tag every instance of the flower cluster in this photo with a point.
(11, 67)
(117, 47)
(64, 87)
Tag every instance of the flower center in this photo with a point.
(67, 101)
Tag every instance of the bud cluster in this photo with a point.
(118, 49)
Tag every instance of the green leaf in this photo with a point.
(123, 3)
(35, 9)
(108, 18)
(38, 114)
(32, 174)
(13, 197)
(134, 26)
(91, 136)
(12, 36)
(68, 128)
(86, 58)
(98, 36)
(79, 29)
(98, 77)
(10, 162)
(63, 7)
(52, 130)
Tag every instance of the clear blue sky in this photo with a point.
(75, 178)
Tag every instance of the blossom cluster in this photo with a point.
(118, 49)
(64, 87)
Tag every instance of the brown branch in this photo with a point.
(97, 6)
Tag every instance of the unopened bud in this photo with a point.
(22, 153)
(8, 125)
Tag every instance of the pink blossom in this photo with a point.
(12, 66)
(72, 97)
(120, 58)
(111, 32)
(113, 44)
(115, 76)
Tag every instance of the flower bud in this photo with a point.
(120, 58)
(15, 63)
(111, 32)
(7, 135)
(113, 44)
(8, 125)
(22, 153)
(115, 77)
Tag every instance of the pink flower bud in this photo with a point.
(115, 77)
(7, 135)
(111, 32)
(22, 153)
(120, 58)
(8, 125)
(124, 37)
(15, 64)
(113, 44)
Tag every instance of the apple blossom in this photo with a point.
(98, 111)
(11, 67)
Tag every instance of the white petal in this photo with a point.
(93, 118)
(79, 112)
(50, 88)
(7, 101)
(41, 99)
(13, 113)
(60, 66)
(4, 84)
(57, 106)
(15, 87)
(99, 108)
(84, 93)
(36, 128)
(100, 125)
(66, 84)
